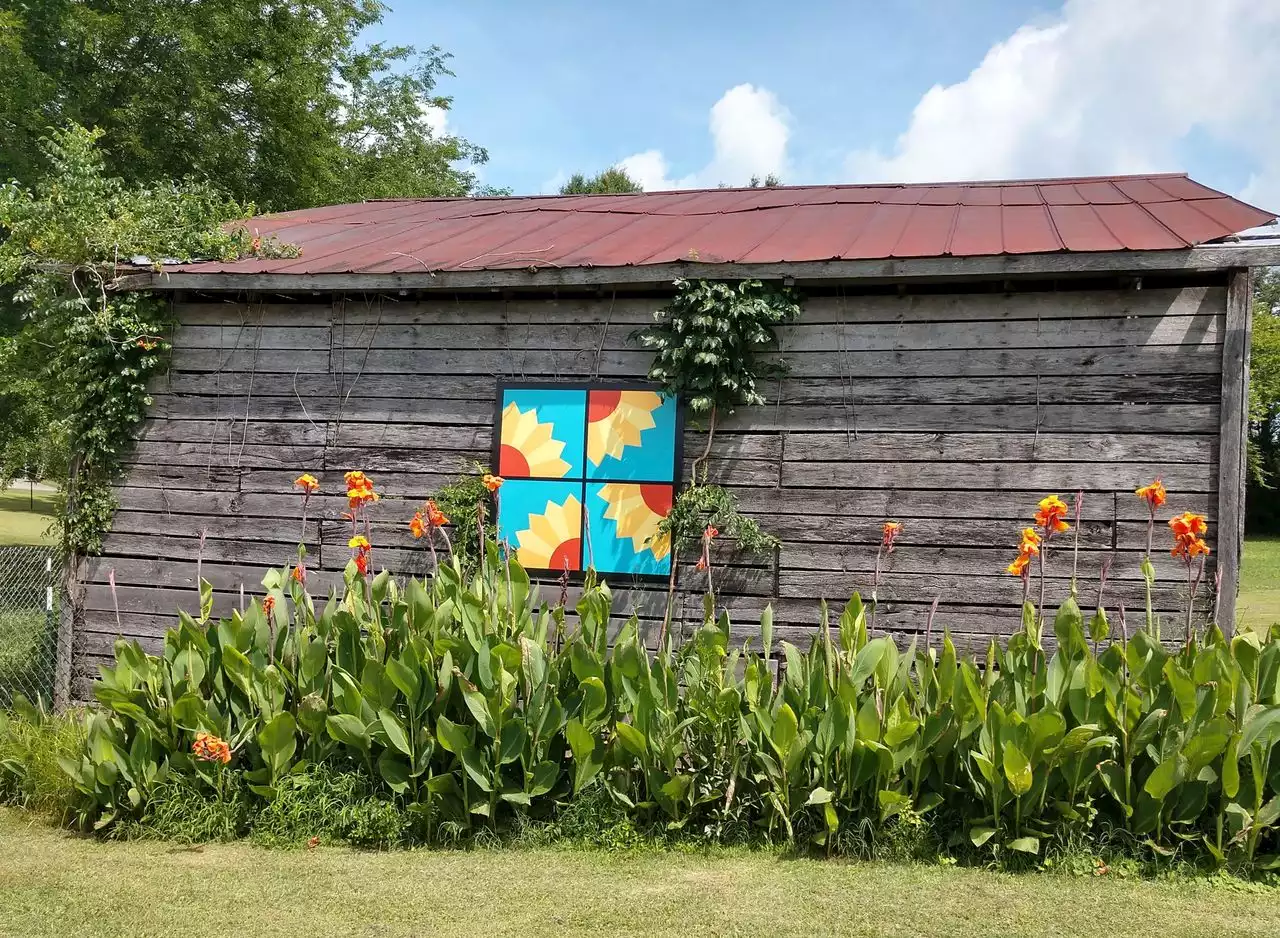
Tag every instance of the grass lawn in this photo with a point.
(52, 883)
(19, 523)
(1259, 601)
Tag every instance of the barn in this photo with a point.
(963, 349)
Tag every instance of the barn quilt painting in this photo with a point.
(590, 472)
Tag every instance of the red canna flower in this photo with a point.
(210, 748)
(146, 343)
(701, 564)
(711, 533)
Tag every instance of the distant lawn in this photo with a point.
(23, 523)
(57, 884)
(1259, 602)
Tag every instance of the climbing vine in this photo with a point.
(78, 354)
(709, 344)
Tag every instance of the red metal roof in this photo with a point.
(783, 224)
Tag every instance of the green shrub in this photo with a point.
(442, 711)
(32, 743)
(336, 806)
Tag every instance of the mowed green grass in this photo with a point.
(1259, 602)
(23, 523)
(52, 883)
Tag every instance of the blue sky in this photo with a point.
(690, 93)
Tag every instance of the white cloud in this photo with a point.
(749, 132)
(1106, 87)
(437, 119)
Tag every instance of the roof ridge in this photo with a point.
(970, 183)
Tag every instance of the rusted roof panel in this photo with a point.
(777, 225)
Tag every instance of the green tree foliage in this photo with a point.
(1264, 404)
(612, 180)
(277, 102)
(74, 364)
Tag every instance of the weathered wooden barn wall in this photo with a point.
(951, 413)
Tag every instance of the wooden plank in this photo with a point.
(848, 308)
(321, 393)
(454, 312)
(1005, 306)
(795, 339)
(980, 561)
(1046, 418)
(1215, 257)
(587, 361)
(1091, 388)
(1015, 504)
(1233, 453)
(959, 476)
(1001, 447)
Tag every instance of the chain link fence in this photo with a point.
(29, 600)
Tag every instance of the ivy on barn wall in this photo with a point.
(709, 347)
(87, 351)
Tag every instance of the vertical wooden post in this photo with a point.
(1234, 429)
(71, 587)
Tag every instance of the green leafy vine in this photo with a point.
(92, 349)
(709, 344)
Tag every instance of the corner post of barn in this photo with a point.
(1233, 441)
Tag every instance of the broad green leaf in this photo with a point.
(395, 731)
(1017, 769)
(348, 729)
(632, 740)
(784, 732)
(1164, 777)
(1024, 845)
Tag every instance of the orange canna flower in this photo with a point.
(435, 517)
(1030, 542)
(417, 527)
(890, 533)
(1188, 523)
(701, 564)
(300, 574)
(308, 483)
(268, 604)
(1188, 541)
(1154, 494)
(362, 562)
(493, 482)
(210, 748)
(1019, 565)
(1051, 515)
(359, 490)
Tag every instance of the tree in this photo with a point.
(1263, 501)
(612, 180)
(74, 365)
(276, 102)
(770, 182)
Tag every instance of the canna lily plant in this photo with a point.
(474, 702)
